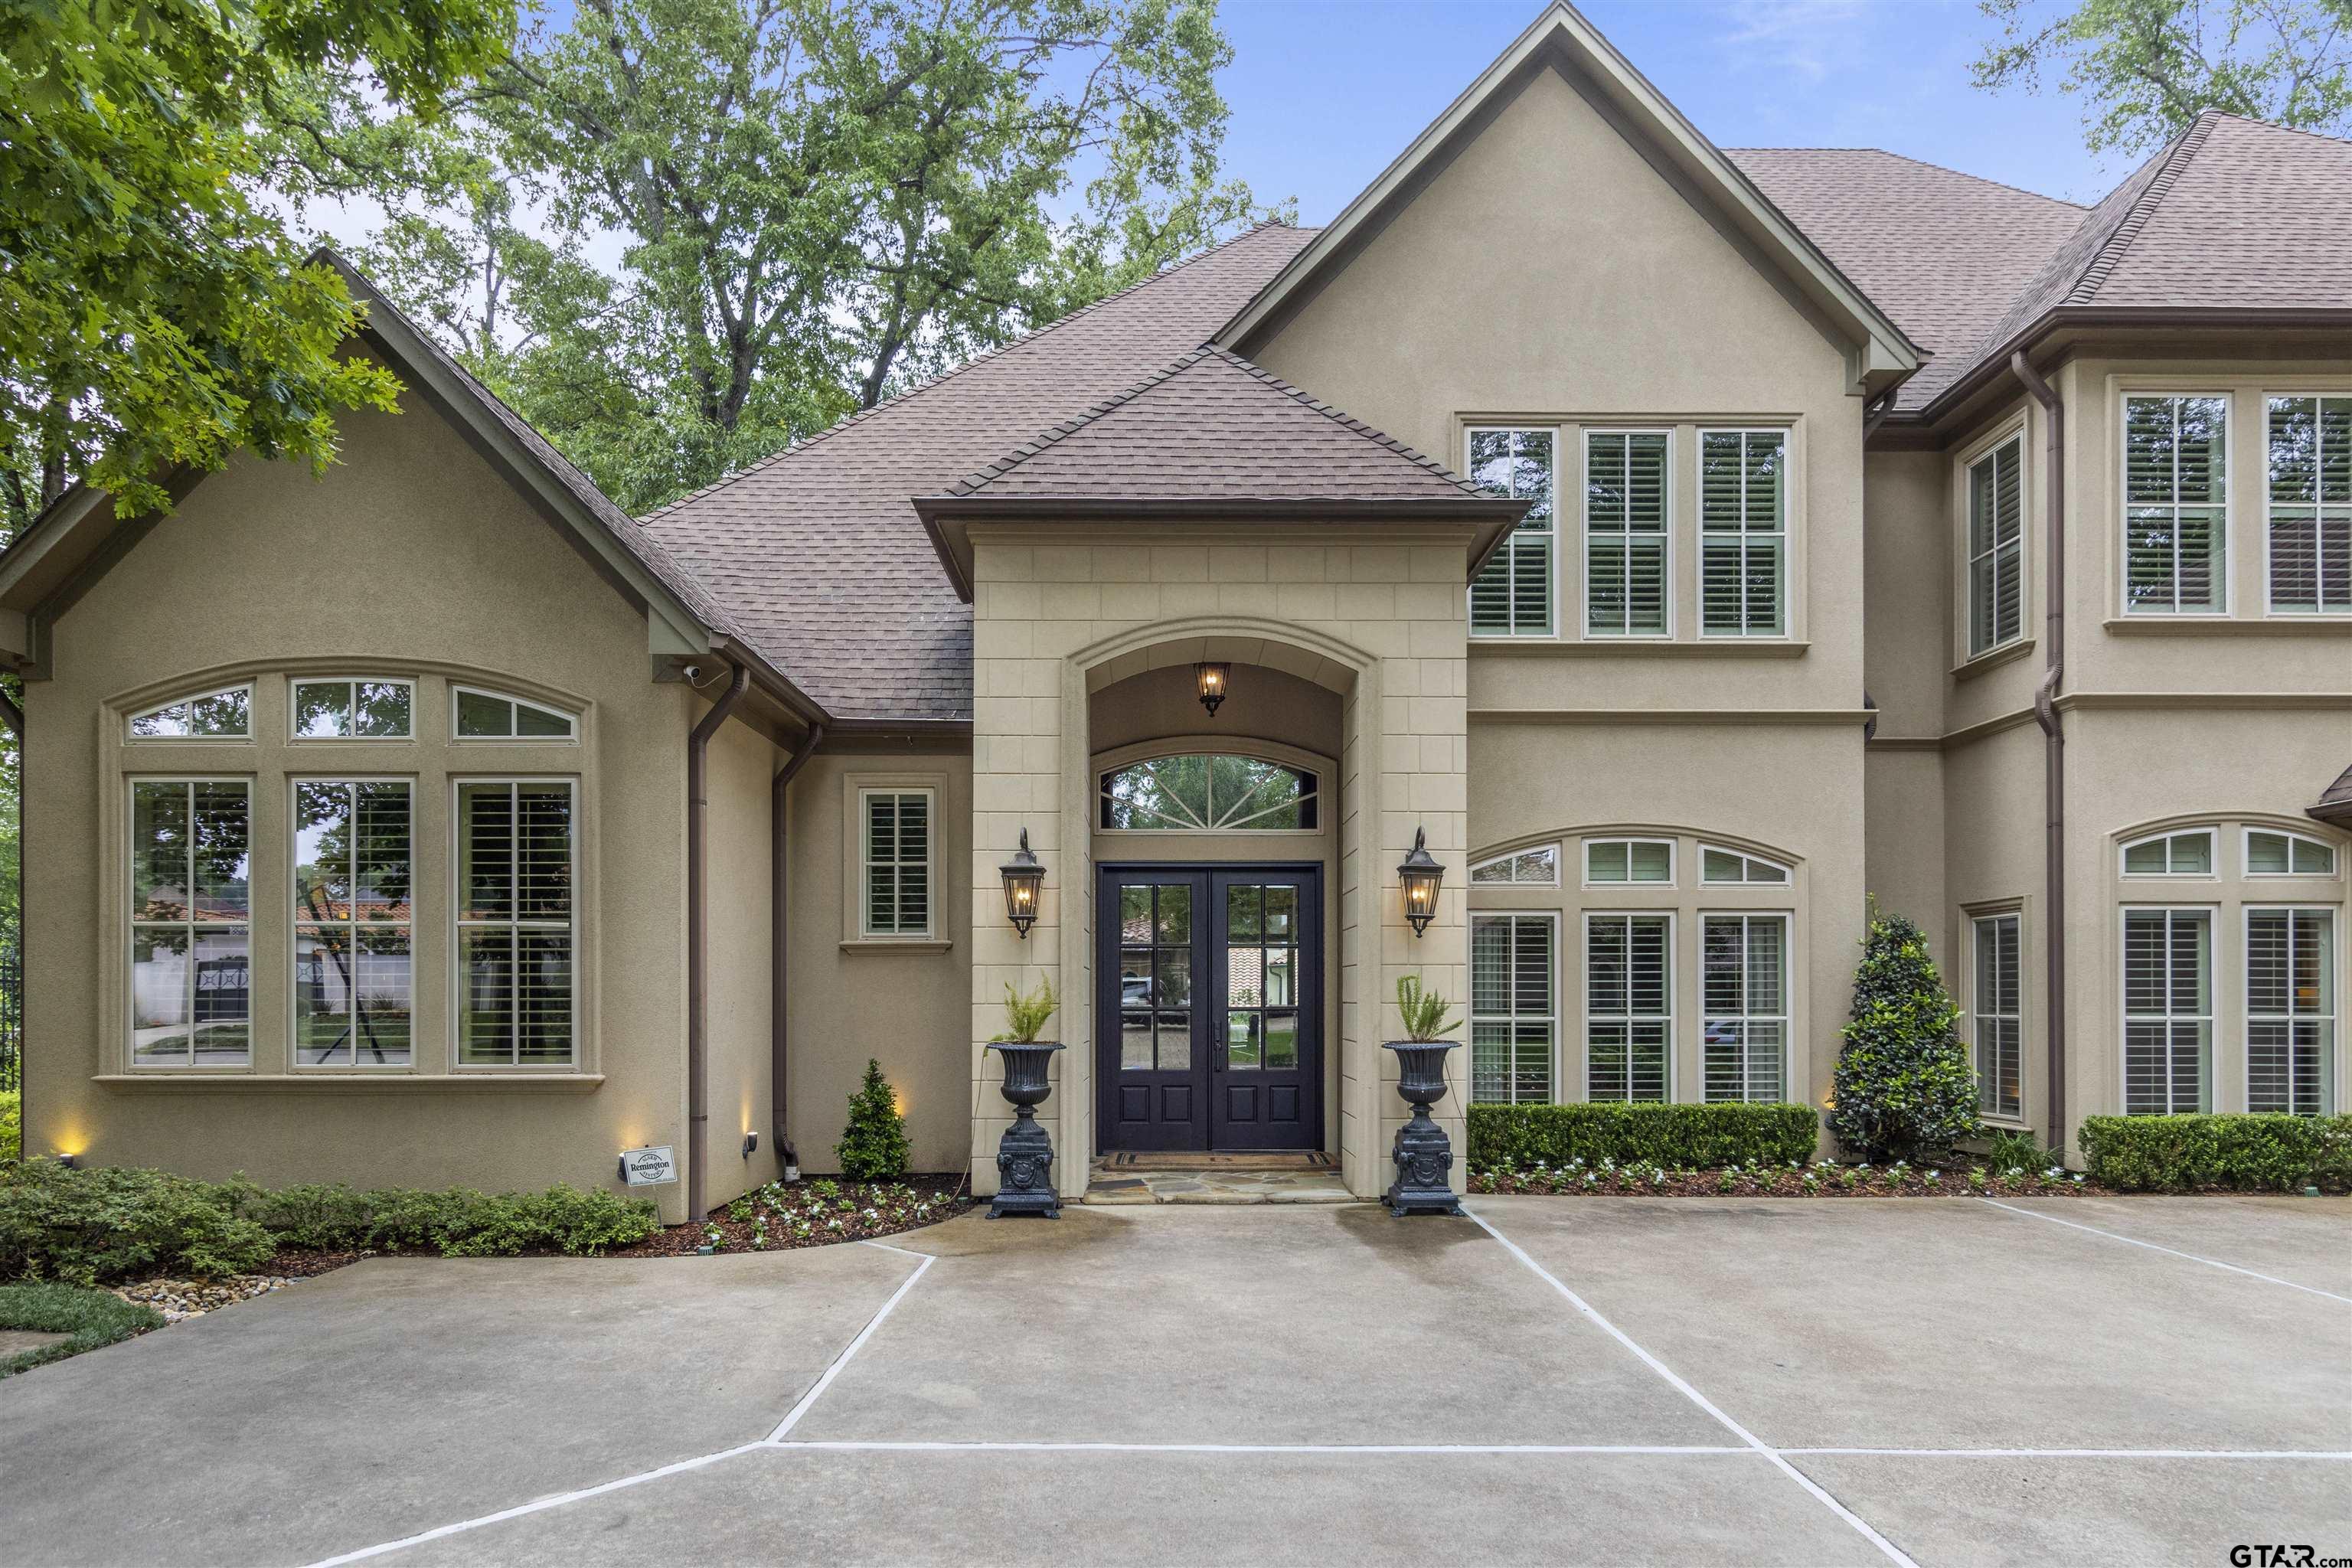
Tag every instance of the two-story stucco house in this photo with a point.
(1684, 544)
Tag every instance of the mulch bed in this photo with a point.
(814, 1212)
(1607, 1179)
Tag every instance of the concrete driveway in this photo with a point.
(1612, 1381)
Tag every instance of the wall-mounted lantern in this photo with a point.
(1024, 880)
(1213, 679)
(1420, 875)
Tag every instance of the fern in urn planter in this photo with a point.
(1423, 1154)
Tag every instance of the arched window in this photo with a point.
(225, 715)
(1207, 793)
(482, 715)
(1535, 867)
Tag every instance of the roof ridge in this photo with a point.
(2172, 160)
(860, 416)
(1924, 163)
(1055, 435)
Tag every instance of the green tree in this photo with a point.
(1904, 1088)
(2145, 68)
(154, 310)
(873, 1146)
(819, 201)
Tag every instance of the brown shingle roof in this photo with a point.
(1940, 251)
(2335, 803)
(1214, 426)
(817, 553)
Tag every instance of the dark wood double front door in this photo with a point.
(1209, 1009)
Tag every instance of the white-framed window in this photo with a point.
(517, 859)
(1535, 867)
(1512, 596)
(1995, 1016)
(895, 862)
(1208, 793)
(2189, 854)
(2168, 985)
(475, 714)
(2274, 852)
(2175, 505)
(1626, 555)
(222, 715)
(362, 709)
(1514, 1008)
(2290, 1009)
(2310, 500)
(1744, 991)
(191, 932)
(354, 867)
(1743, 533)
(1629, 1005)
(1721, 867)
(1615, 862)
(1997, 547)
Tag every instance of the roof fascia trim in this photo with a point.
(1886, 352)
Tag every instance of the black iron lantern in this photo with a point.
(1420, 875)
(1213, 679)
(1024, 880)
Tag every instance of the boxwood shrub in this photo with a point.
(1679, 1137)
(90, 1226)
(2255, 1153)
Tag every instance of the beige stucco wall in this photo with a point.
(907, 1006)
(741, 764)
(410, 557)
(1371, 612)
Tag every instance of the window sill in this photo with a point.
(2007, 653)
(872, 945)
(2229, 626)
(1647, 647)
(344, 1081)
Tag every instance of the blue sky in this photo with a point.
(1325, 92)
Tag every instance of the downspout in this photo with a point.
(779, 891)
(2054, 739)
(698, 938)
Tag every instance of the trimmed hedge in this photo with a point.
(2244, 1153)
(1678, 1137)
(124, 1223)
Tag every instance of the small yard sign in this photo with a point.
(649, 1167)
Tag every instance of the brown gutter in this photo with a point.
(779, 891)
(2053, 748)
(698, 938)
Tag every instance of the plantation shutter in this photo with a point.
(1743, 985)
(2311, 504)
(2290, 1009)
(514, 923)
(2176, 504)
(1512, 595)
(1629, 1007)
(898, 863)
(2168, 1010)
(1743, 506)
(1997, 1022)
(1625, 533)
(1511, 1011)
(1996, 550)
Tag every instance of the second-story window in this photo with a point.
(2175, 505)
(1625, 532)
(1996, 549)
(2311, 505)
(1743, 531)
(1512, 596)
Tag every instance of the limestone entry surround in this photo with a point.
(1373, 612)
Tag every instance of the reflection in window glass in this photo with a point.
(352, 709)
(492, 716)
(219, 715)
(2175, 855)
(352, 991)
(1628, 860)
(1208, 794)
(190, 936)
(1744, 989)
(1526, 869)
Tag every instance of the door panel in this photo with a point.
(1214, 978)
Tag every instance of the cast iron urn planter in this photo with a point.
(1024, 1158)
(1425, 1155)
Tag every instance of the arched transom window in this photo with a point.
(1207, 793)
